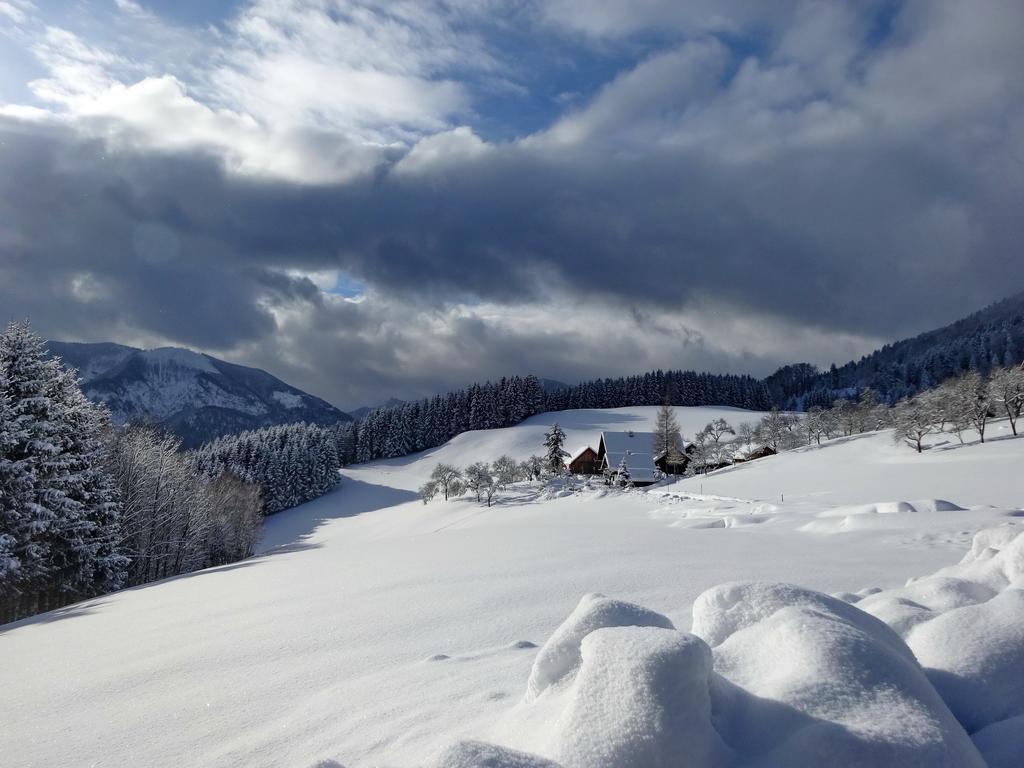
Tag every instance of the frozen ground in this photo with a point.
(376, 631)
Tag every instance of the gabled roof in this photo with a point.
(683, 446)
(637, 448)
(578, 452)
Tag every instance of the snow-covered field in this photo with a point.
(376, 631)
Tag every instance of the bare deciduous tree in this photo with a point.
(1006, 390)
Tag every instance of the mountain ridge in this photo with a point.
(194, 395)
(989, 337)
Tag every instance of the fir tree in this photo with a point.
(553, 442)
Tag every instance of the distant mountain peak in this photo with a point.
(192, 394)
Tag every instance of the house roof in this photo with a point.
(579, 452)
(637, 448)
(683, 446)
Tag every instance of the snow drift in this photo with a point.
(772, 674)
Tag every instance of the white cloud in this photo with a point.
(435, 153)
(129, 6)
(635, 107)
(17, 11)
(307, 93)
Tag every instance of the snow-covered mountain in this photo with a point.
(990, 337)
(376, 630)
(194, 395)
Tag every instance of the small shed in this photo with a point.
(669, 466)
(584, 462)
(761, 452)
(635, 448)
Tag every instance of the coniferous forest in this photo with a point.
(987, 339)
(412, 427)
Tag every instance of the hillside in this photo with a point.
(374, 630)
(991, 336)
(196, 396)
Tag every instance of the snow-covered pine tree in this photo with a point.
(85, 539)
(554, 440)
(67, 529)
(15, 487)
(622, 473)
(39, 421)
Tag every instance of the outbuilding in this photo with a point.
(584, 462)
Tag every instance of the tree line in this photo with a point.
(290, 464)
(413, 427)
(86, 508)
(966, 402)
(962, 403)
(982, 342)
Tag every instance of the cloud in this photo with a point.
(17, 12)
(305, 93)
(851, 177)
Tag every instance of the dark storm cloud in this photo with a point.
(857, 190)
(841, 239)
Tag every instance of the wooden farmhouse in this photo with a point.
(584, 462)
(635, 448)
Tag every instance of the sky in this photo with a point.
(377, 198)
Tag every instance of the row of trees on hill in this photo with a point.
(412, 427)
(985, 341)
(483, 479)
(290, 464)
(174, 519)
(487, 479)
(957, 405)
(966, 402)
(86, 508)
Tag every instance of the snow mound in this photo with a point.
(724, 610)
(811, 675)
(640, 696)
(965, 625)
(562, 653)
(728, 521)
(894, 507)
(974, 656)
(476, 754)
(886, 514)
(772, 675)
(1002, 743)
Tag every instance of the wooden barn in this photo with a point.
(584, 462)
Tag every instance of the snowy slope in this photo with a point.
(871, 467)
(582, 427)
(375, 630)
